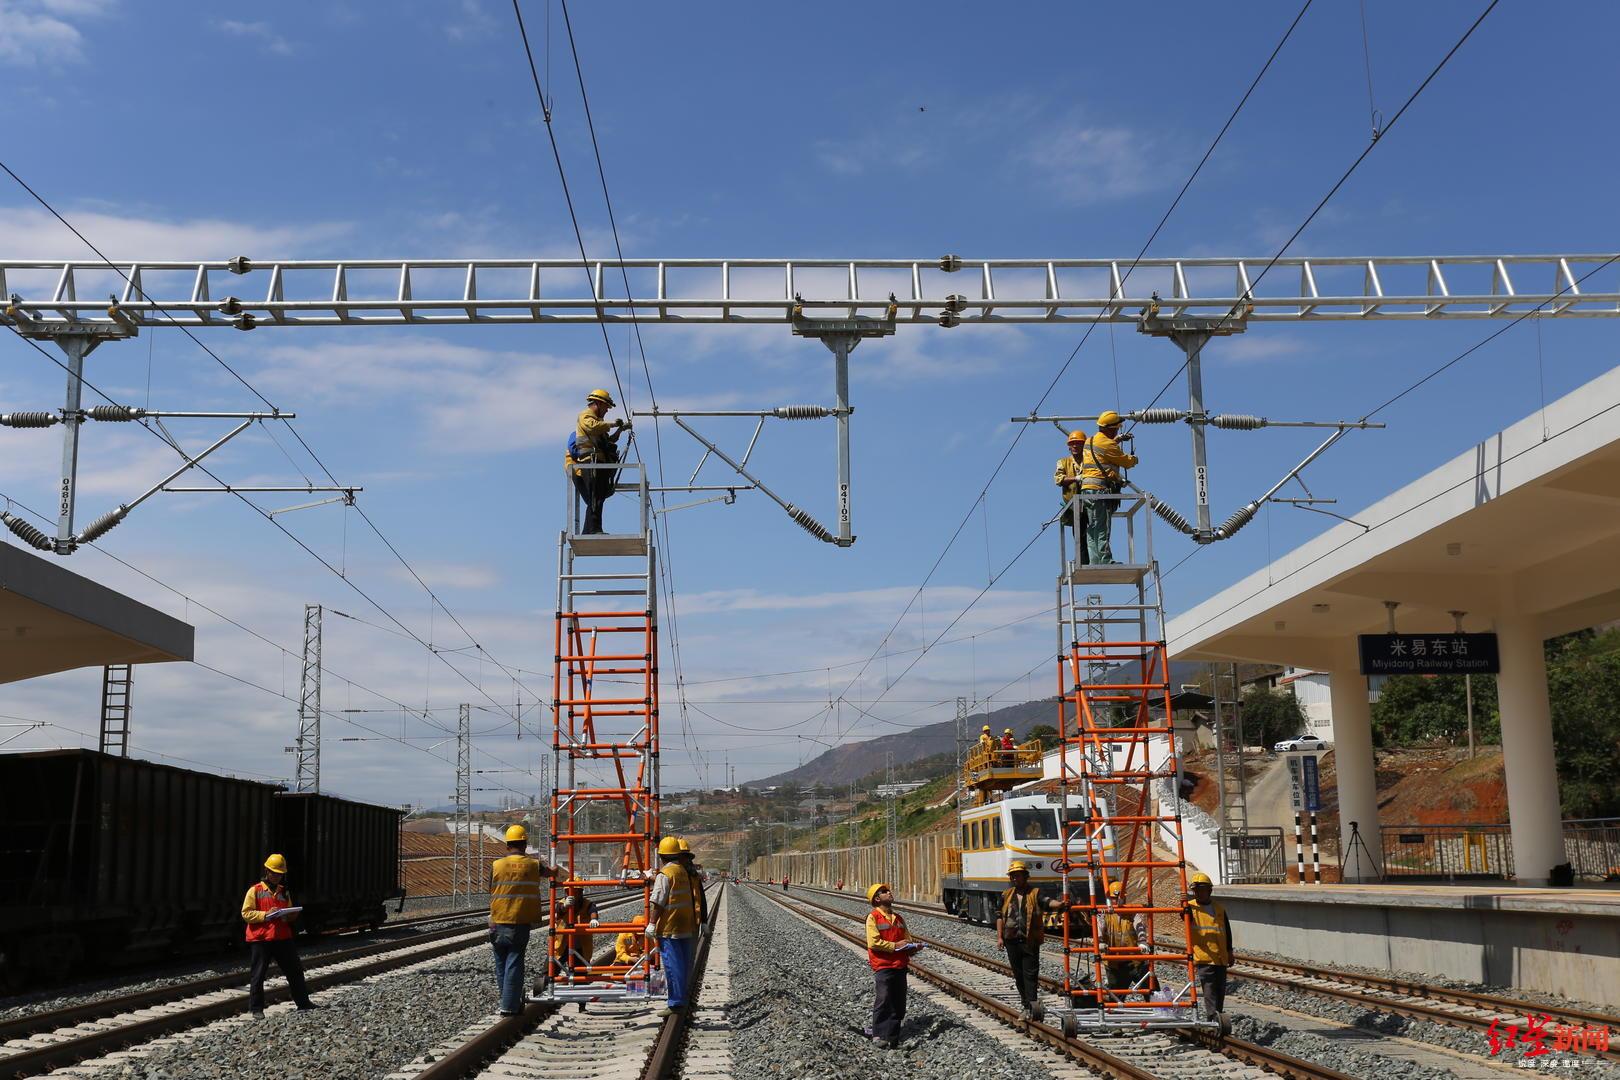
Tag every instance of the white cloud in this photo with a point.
(33, 233)
(451, 575)
(472, 400)
(39, 31)
(1257, 348)
(262, 32)
(1093, 163)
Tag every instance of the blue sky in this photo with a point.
(410, 130)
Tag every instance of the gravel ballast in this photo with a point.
(800, 999)
(1352, 1060)
(360, 1031)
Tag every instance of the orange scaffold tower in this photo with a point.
(1122, 809)
(604, 800)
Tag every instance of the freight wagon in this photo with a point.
(107, 859)
(342, 856)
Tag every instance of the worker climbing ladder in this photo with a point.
(1119, 782)
(604, 799)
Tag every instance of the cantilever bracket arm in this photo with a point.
(107, 521)
(803, 519)
(1229, 528)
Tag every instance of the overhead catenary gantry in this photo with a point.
(836, 300)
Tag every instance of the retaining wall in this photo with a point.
(920, 859)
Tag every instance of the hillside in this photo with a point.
(854, 761)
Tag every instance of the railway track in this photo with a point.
(1464, 1009)
(606, 1039)
(1454, 1008)
(987, 985)
(37, 1043)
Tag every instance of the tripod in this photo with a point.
(1356, 848)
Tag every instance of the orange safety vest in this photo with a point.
(262, 897)
(888, 929)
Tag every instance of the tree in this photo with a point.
(1046, 733)
(1583, 683)
(1270, 715)
(1419, 709)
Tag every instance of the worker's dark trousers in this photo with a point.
(888, 1003)
(592, 485)
(1025, 960)
(1212, 988)
(285, 954)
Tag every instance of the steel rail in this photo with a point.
(1240, 1050)
(1413, 1010)
(470, 1057)
(666, 1054)
(71, 1051)
(106, 1008)
(34, 1023)
(1446, 994)
(1285, 1065)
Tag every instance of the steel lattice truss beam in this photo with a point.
(949, 291)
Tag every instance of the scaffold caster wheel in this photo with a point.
(1037, 1012)
(1071, 1027)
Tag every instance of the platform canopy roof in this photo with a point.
(52, 619)
(1526, 523)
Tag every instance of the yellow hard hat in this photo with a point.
(669, 845)
(1006, 731)
(514, 833)
(985, 728)
(683, 845)
(1115, 888)
(276, 864)
(601, 395)
(1077, 436)
(1200, 878)
(875, 888)
(1015, 866)
(1108, 419)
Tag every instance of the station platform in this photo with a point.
(1561, 941)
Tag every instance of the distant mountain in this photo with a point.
(852, 761)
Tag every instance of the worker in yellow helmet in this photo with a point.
(1210, 938)
(1021, 927)
(631, 945)
(1123, 933)
(595, 442)
(1067, 477)
(515, 907)
(1100, 476)
(987, 741)
(889, 946)
(689, 860)
(268, 911)
(674, 921)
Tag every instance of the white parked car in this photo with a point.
(1300, 742)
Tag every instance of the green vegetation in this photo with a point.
(1270, 716)
(1583, 685)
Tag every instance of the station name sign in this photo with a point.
(1429, 654)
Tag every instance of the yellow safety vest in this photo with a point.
(514, 891)
(1101, 461)
(1119, 932)
(1067, 476)
(1208, 938)
(679, 915)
